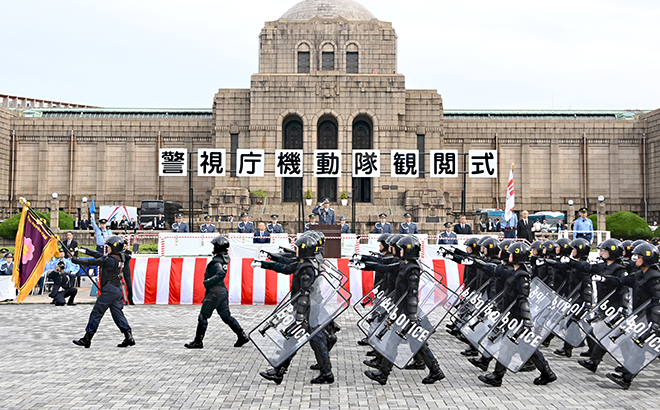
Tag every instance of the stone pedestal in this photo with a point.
(570, 217)
(601, 217)
(55, 215)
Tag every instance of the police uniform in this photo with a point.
(111, 293)
(345, 228)
(62, 288)
(383, 227)
(326, 216)
(245, 227)
(448, 237)
(408, 227)
(101, 234)
(216, 296)
(274, 227)
(208, 227)
(180, 227)
(583, 224)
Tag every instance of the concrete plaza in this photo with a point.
(42, 369)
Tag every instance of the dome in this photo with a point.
(308, 9)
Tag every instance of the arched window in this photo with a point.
(328, 57)
(327, 139)
(362, 140)
(352, 59)
(303, 58)
(292, 138)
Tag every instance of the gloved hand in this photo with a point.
(598, 278)
(255, 264)
(540, 262)
(81, 250)
(467, 262)
(565, 259)
(442, 252)
(75, 260)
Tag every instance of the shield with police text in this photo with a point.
(471, 301)
(371, 299)
(633, 342)
(511, 343)
(398, 337)
(568, 329)
(604, 317)
(280, 336)
(483, 319)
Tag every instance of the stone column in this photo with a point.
(55, 214)
(601, 225)
(570, 217)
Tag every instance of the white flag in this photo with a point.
(510, 198)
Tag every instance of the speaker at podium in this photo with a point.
(332, 246)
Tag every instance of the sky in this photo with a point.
(507, 54)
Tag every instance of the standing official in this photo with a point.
(179, 226)
(383, 226)
(102, 233)
(261, 236)
(245, 226)
(525, 228)
(448, 237)
(71, 243)
(462, 227)
(583, 227)
(312, 221)
(408, 227)
(510, 226)
(207, 227)
(345, 228)
(111, 294)
(325, 213)
(273, 226)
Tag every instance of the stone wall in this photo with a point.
(5, 153)
(651, 127)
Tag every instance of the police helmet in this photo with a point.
(411, 246)
(520, 252)
(392, 240)
(627, 248)
(538, 245)
(504, 245)
(307, 246)
(115, 243)
(648, 253)
(220, 243)
(549, 247)
(637, 243)
(613, 247)
(490, 247)
(383, 239)
(473, 243)
(564, 245)
(582, 247)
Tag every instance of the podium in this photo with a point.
(332, 245)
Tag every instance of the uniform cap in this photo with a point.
(326, 200)
(179, 215)
(103, 221)
(207, 218)
(407, 215)
(583, 209)
(342, 218)
(9, 255)
(4, 250)
(243, 214)
(312, 216)
(274, 216)
(383, 215)
(448, 224)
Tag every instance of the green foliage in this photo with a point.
(148, 248)
(260, 193)
(308, 195)
(65, 222)
(628, 225)
(9, 227)
(344, 194)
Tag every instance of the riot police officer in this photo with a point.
(273, 226)
(383, 226)
(179, 226)
(245, 226)
(207, 227)
(408, 227)
(217, 297)
(111, 294)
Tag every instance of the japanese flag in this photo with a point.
(510, 198)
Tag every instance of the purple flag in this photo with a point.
(34, 247)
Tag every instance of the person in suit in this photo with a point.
(261, 236)
(448, 237)
(524, 230)
(160, 222)
(76, 224)
(345, 228)
(230, 218)
(207, 227)
(325, 213)
(245, 226)
(462, 227)
(383, 226)
(84, 224)
(408, 227)
(71, 243)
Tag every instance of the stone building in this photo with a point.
(328, 79)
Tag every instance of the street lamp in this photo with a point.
(570, 202)
(54, 195)
(84, 200)
(601, 198)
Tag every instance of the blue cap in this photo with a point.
(179, 215)
(207, 218)
(407, 215)
(448, 224)
(312, 216)
(244, 214)
(342, 218)
(274, 216)
(383, 215)
(326, 200)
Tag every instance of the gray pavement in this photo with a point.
(42, 369)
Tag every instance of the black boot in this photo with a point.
(586, 353)
(435, 374)
(128, 339)
(564, 352)
(470, 351)
(315, 366)
(379, 376)
(416, 364)
(480, 363)
(589, 365)
(528, 367)
(199, 337)
(547, 376)
(491, 379)
(375, 362)
(324, 378)
(86, 340)
(275, 374)
(242, 339)
(372, 353)
(618, 379)
(363, 342)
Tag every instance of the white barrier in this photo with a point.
(599, 236)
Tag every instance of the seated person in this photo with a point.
(61, 286)
(262, 235)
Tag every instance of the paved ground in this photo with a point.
(42, 369)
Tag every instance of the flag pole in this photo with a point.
(25, 203)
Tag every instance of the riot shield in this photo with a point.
(396, 337)
(279, 336)
(509, 342)
(482, 321)
(371, 299)
(568, 328)
(632, 342)
(602, 318)
(471, 301)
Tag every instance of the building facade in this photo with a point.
(328, 80)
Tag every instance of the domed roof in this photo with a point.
(308, 9)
